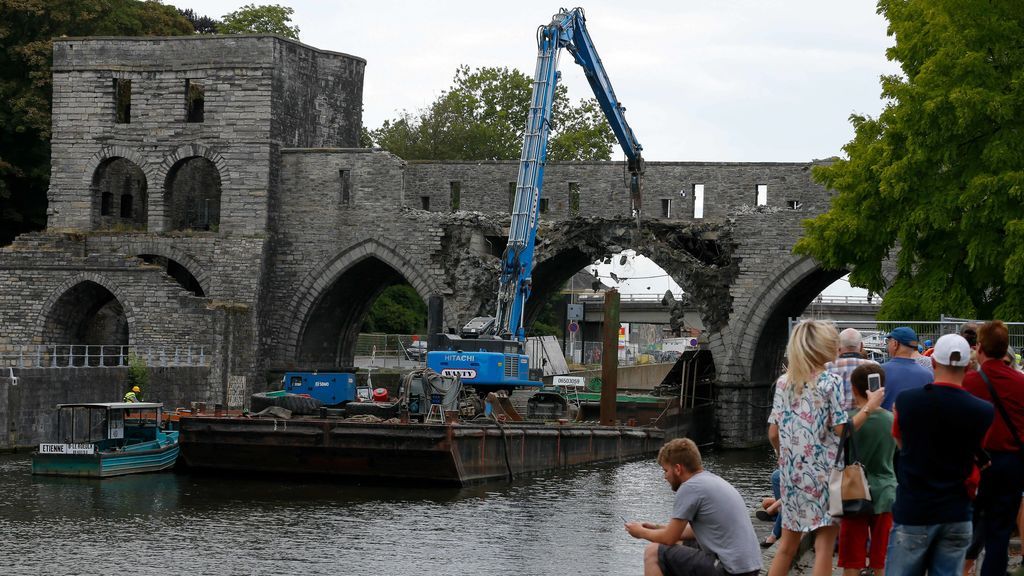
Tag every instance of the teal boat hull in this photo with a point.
(152, 456)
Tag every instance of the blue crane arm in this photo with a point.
(567, 29)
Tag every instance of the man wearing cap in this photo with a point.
(1003, 481)
(939, 427)
(901, 371)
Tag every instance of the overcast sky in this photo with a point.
(742, 80)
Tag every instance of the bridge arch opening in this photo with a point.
(652, 304)
(192, 195)
(369, 295)
(770, 350)
(87, 313)
(177, 271)
(119, 199)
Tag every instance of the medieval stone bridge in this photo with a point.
(208, 191)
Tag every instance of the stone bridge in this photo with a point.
(208, 191)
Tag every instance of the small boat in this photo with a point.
(102, 439)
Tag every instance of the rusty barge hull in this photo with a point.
(443, 454)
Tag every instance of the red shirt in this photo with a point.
(1009, 386)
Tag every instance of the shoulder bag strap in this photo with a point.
(847, 437)
(999, 406)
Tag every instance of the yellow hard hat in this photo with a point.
(136, 389)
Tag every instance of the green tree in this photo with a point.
(201, 24)
(26, 54)
(938, 176)
(398, 310)
(138, 371)
(549, 319)
(483, 116)
(263, 19)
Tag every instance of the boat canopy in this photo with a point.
(113, 405)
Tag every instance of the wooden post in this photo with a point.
(610, 359)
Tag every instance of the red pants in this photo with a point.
(853, 540)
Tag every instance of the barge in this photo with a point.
(455, 453)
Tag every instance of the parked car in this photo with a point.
(417, 350)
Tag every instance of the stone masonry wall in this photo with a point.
(235, 134)
(27, 415)
(38, 269)
(484, 187)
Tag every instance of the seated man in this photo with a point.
(715, 512)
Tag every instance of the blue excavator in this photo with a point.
(489, 353)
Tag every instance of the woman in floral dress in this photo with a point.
(804, 427)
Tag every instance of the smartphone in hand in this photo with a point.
(624, 521)
(874, 382)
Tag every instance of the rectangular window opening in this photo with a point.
(126, 206)
(425, 203)
(455, 193)
(511, 196)
(762, 194)
(346, 190)
(574, 198)
(698, 200)
(122, 101)
(666, 208)
(543, 205)
(106, 200)
(794, 204)
(195, 101)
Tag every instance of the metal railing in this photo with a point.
(852, 300)
(637, 297)
(99, 356)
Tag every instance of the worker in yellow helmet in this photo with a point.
(132, 395)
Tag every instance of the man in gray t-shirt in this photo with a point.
(707, 507)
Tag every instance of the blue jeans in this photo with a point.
(998, 500)
(777, 493)
(937, 549)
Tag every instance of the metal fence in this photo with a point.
(589, 352)
(385, 345)
(99, 356)
(874, 331)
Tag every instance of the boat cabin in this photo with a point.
(108, 425)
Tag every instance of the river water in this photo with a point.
(564, 523)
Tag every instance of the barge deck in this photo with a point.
(456, 454)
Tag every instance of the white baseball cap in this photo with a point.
(952, 350)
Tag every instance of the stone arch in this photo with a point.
(193, 177)
(699, 257)
(176, 259)
(369, 259)
(118, 183)
(66, 314)
(764, 321)
(110, 152)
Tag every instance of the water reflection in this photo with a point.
(565, 523)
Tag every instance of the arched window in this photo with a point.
(192, 195)
(119, 195)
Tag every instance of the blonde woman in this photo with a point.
(804, 428)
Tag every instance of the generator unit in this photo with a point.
(330, 388)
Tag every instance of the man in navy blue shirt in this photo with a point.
(902, 372)
(939, 427)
